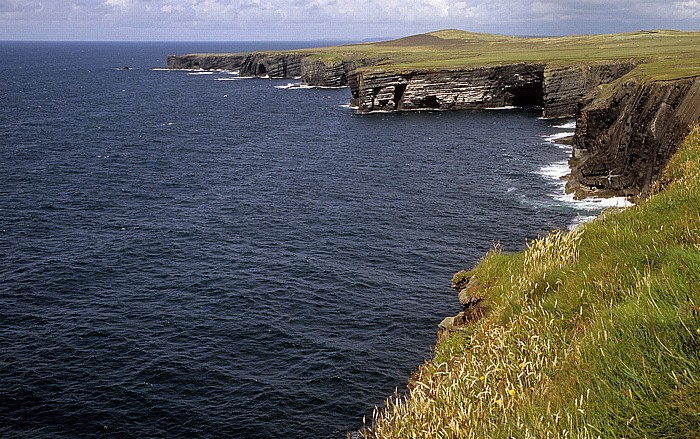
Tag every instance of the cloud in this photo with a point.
(688, 9)
(349, 18)
(19, 7)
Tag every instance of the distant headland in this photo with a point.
(602, 80)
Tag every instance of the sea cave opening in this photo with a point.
(530, 94)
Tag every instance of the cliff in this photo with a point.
(565, 86)
(584, 334)
(448, 89)
(310, 68)
(557, 89)
(627, 132)
(274, 65)
(206, 61)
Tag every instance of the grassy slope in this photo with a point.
(593, 333)
(665, 54)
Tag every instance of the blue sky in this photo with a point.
(229, 20)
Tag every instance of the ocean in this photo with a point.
(194, 254)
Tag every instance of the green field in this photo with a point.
(664, 54)
(591, 333)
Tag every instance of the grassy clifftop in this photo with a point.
(664, 54)
(591, 333)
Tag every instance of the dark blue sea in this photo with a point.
(199, 255)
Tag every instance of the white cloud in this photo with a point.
(123, 4)
(688, 9)
(354, 18)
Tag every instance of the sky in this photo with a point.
(347, 20)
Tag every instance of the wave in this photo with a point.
(558, 136)
(566, 126)
(506, 107)
(204, 72)
(554, 171)
(294, 86)
(594, 204)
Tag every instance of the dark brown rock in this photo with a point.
(447, 89)
(565, 86)
(273, 65)
(625, 136)
(206, 62)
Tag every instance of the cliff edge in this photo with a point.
(634, 95)
(627, 132)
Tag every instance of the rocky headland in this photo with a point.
(632, 113)
(627, 126)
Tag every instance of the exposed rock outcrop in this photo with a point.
(626, 134)
(318, 72)
(312, 69)
(565, 86)
(447, 89)
(274, 65)
(207, 62)
(473, 305)
(558, 89)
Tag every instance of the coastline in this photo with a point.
(631, 121)
(550, 340)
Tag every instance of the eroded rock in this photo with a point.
(626, 135)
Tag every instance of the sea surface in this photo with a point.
(186, 254)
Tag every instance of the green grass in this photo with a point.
(663, 54)
(592, 333)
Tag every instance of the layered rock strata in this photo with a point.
(565, 86)
(207, 62)
(274, 65)
(626, 134)
(474, 305)
(557, 89)
(447, 89)
(323, 73)
(311, 69)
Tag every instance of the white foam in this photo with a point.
(594, 204)
(227, 79)
(203, 72)
(293, 86)
(566, 126)
(555, 171)
(506, 107)
(558, 136)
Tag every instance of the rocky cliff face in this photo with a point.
(329, 73)
(627, 132)
(274, 65)
(557, 89)
(312, 70)
(565, 86)
(448, 89)
(207, 62)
